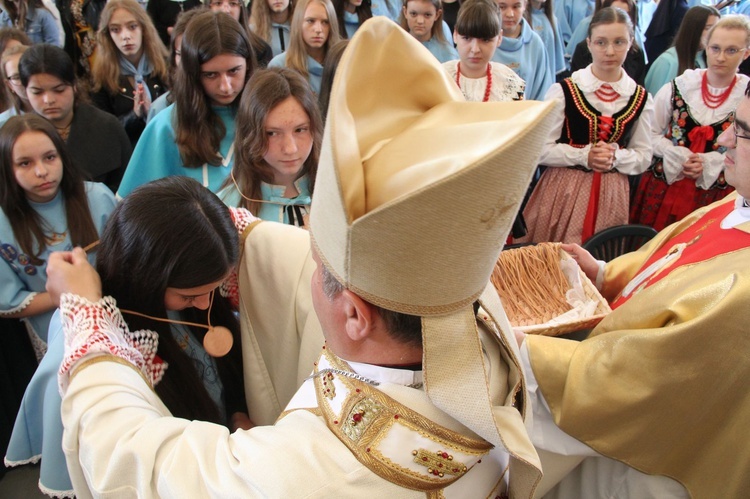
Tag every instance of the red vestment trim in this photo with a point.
(705, 239)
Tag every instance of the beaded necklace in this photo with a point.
(606, 93)
(489, 81)
(714, 101)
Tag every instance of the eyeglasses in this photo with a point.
(737, 135)
(218, 3)
(729, 52)
(617, 45)
(15, 79)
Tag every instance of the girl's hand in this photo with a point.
(601, 156)
(693, 167)
(588, 263)
(71, 272)
(141, 104)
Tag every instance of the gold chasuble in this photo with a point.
(661, 383)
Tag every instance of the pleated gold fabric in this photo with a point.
(661, 383)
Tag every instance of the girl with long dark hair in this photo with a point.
(195, 136)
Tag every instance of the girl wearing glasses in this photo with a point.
(601, 136)
(687, 170)
(687, 50)
(9, 71)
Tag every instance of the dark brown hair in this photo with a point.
(173, 232)
(198, 130)
(687, 41)
(28, 226)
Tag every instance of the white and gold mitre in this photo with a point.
(417, 189)
(415, 194)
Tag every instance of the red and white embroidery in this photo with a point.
(91, 328)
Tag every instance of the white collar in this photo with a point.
(588, 83)
(739, 215)
(403, 377)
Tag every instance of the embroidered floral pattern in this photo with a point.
(679, 132)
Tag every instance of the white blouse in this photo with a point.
(689, 85)
(633, 159)
(506, 84)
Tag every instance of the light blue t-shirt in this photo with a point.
(443, 51)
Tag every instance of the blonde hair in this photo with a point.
(106, 70)
(296, 53)
(735, 21)
(437, 26)
(260, 18)
(18, 50)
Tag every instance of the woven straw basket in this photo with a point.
(532, 289)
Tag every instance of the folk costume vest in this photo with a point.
(585, 125)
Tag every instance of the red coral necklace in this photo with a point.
(606, 93)
(489, 81)
(713, 101)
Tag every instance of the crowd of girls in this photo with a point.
(195, 136)
(208, 110)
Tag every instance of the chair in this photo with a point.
(612, 242)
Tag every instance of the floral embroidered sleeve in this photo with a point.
(229, 288)
(95, 329)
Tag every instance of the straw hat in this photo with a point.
(415, 194)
